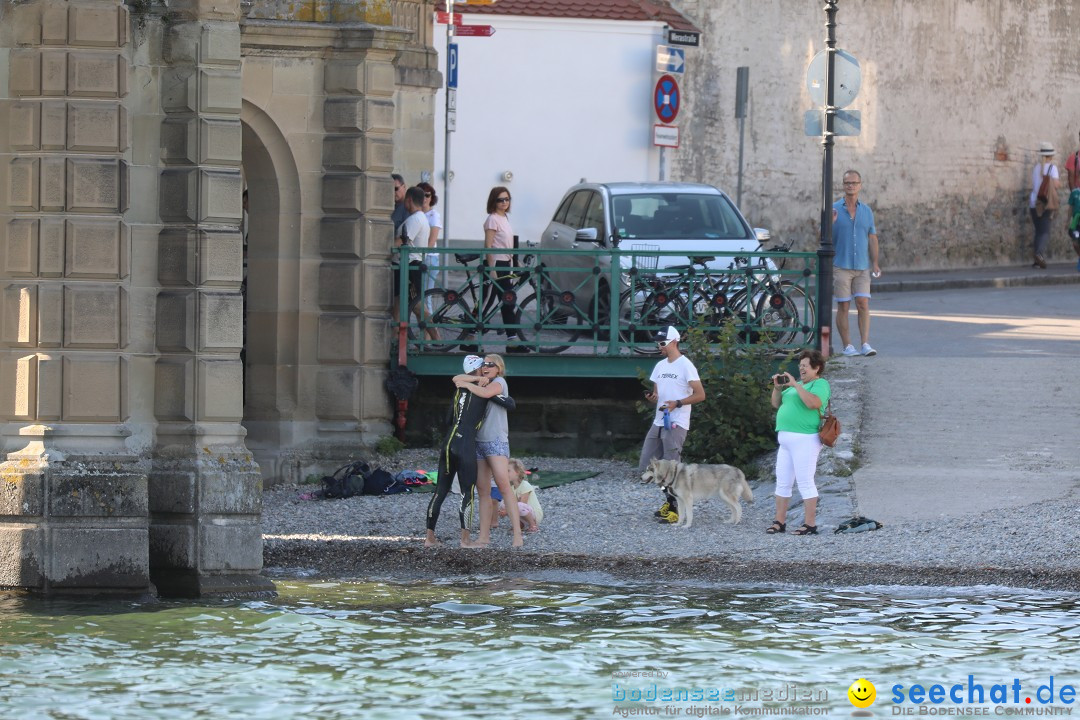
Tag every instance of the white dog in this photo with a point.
(687, 482)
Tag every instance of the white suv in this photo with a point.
(699, 220)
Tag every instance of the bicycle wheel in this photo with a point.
(777, 316)
(643, 315)
(712, 308)
(804, 303)
(745, 316)
(448, 317)
(552, 331)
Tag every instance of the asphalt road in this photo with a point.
(973, 402)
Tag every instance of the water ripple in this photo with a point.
(494, 646)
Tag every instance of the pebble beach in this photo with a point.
(605, 525)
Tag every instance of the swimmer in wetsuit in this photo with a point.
(458, 455)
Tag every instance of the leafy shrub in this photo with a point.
(735, 423)
(389, 446)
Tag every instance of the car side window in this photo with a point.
(575, 216)
(560, 214)
(594, 215)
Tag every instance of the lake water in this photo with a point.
(518, 648)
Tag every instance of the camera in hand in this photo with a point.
(781, 379)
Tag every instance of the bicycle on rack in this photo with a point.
(769, 305)
(463, 315)
(460, 316)
(754, 296)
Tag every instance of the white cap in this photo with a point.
(472, 362)
(1046, 148)
(669, 335)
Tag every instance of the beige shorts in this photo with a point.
(850, 283)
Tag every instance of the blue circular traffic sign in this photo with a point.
(666, 99)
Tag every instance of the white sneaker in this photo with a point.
(866, 350)
(850, 350)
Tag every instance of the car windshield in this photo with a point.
(666, 216)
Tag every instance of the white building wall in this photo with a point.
(552, 101)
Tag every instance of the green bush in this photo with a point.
(389, 446)
(735, 424)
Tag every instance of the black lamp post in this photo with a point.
(826, 251)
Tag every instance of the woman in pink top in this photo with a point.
(499, 234)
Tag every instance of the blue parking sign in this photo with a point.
(451, 65)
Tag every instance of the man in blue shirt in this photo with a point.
(856, 242)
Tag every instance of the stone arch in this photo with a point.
(273, 290)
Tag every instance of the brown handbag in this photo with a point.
(1047, 196)
(830, 427)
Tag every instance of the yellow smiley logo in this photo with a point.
(862, 693)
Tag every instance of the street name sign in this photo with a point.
(688, 38)
(443, 18)
(670, 59)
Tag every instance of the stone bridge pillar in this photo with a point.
(73, 481)
(205, 488)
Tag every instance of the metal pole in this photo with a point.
(826, 251)
(742, 91)
(738, 192)
(446, 123)
(446, 144)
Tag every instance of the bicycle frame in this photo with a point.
(769, 304)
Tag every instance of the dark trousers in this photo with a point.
(1042, 230)
(504, 283)
(458, 458)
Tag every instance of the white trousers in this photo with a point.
(796, 461)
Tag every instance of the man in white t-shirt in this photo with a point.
(413, 232)
(676, 386)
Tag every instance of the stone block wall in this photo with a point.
(73, 511)
(205, 488)
(326, 125)
(125, 143)
(955, 98)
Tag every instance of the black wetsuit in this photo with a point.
(458, 455)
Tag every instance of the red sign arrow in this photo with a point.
(474, 30)
(443, 18)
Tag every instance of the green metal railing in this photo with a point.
(569, 309)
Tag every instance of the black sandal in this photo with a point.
(776, 528)
(806, 530)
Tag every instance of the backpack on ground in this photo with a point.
(347, 481)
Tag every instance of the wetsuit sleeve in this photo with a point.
(505, 402)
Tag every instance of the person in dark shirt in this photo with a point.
(458, 456)
(398, 215)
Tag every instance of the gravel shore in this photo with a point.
(605, 524)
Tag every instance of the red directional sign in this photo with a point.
(443, 18)
(474, 30)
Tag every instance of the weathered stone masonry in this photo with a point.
(134, 440)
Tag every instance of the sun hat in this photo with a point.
(669, 335)
(472, 362)
(1046, 148)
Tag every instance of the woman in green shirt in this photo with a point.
(798, 417)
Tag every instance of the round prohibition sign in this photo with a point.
(666, 99)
